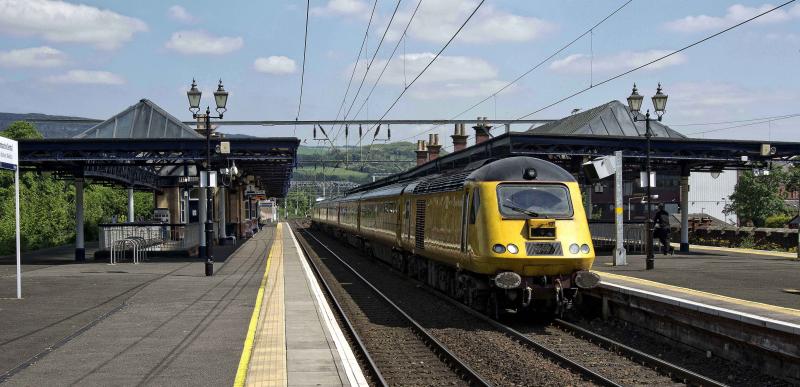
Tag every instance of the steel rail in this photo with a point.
(435, 345)
(373, 368)
(527, 341)
(672, 370)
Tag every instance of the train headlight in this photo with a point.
(585, 248)
(508, 280)
(499, 249)
(512, 248)
(574, 248)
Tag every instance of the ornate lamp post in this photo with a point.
(221, 99)
(660, 107)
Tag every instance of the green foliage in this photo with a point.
(755, 198)
(21, 130)
(777, 221)
(352, 169)
(297, 204)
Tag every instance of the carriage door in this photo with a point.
(464, 212)
(407, 219)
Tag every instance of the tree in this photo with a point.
(755, 198)
(21, 130)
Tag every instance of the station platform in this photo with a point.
(744, 284)
(293, 337)
(259, 320)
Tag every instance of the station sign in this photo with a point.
(9, 154)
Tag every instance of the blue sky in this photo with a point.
(95, 58)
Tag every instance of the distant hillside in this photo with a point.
(48, 129)
(395, 157)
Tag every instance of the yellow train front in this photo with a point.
(508, 234)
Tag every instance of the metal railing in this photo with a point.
(604, 235)
(140, 239)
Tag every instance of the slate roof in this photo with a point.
(142, 120)
(610, 119)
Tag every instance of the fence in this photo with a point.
(143, 238)
(604, 235)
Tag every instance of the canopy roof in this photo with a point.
(142, 120)
(609, 119)
(145, 147)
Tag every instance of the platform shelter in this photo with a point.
(144, 148)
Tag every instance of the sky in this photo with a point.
(95, 58)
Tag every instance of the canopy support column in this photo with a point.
(130, 205)
(202, 208)
(80, 250)
(619, 250)
(222, 221)
(685, 172)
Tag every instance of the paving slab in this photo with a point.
(161, 322)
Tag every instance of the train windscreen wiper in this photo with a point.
(520, 209)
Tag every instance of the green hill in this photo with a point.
(345, 163)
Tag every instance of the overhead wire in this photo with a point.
(430, 63)
(371, 61)
(358, 58)
(624, 73)
(530, 70)
(768, 121)
(303, 71)
(736, 121)
(388, 61)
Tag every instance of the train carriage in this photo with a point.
(497, 234)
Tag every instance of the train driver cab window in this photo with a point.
(525, 200)
(476, 205)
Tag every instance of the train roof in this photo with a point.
(505, 169)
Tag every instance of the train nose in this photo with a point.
(585, 279)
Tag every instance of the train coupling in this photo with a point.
(585, 279)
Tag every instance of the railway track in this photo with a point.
(394, 348)
(595, 358)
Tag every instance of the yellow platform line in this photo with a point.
(658, 285)
(739, 250)
(247, 351)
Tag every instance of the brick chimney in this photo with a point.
(422, 152)
(459, 138)
(433, 146)
(482, 129)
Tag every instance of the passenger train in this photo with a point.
(498, 235)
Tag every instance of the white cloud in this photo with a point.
(357, 8)
(276, 65)
(178, 13)
(437, 21)
(448, 77)
(403, 68)
(459, 90)
(710, 101)
(87, 77)
(582, 63)
(736, 13)
(33, 57)
(201, 42)
(59, 21)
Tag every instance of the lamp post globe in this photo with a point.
(194, 95)
(221, 98)
(635, 102)
(660, 102)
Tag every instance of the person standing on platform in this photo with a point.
(662, 230)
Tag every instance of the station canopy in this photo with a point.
(600, 131)
(145, 147)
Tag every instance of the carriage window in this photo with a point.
(517, 200)
(476, 204)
